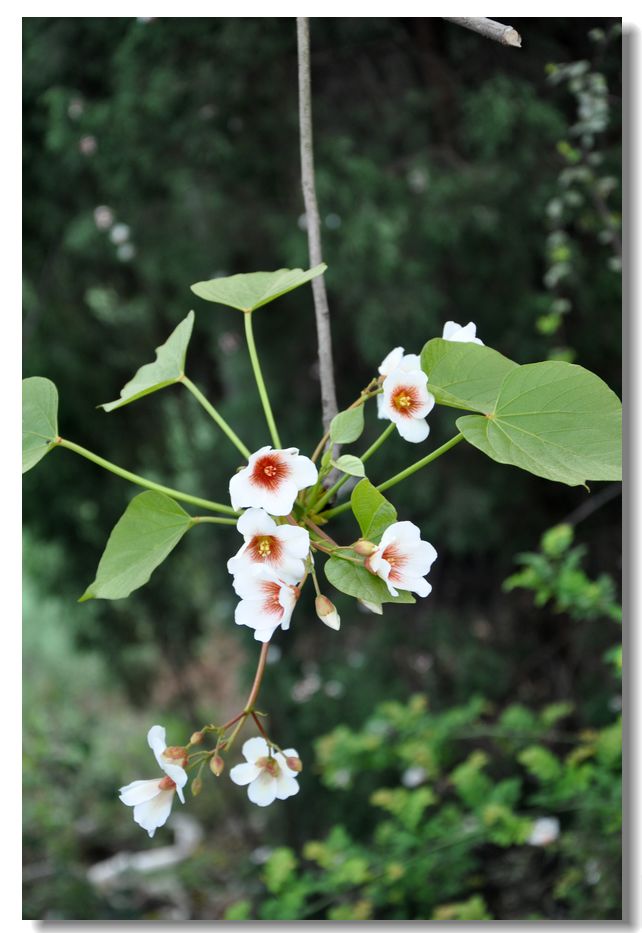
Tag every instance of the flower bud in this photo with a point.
(327, 612)
(197, 786)
(196, 738)
(363, 547)
(294, 763)
(217, 765)
(176, 753)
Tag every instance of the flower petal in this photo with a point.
(244, 773)
(155, 812)
(262, 791)
(255, 748)
(157, 743)
(256, 522)
(391, 361)
(286, 786)
(413, 429)
(295, 539)
(304, 472)
(139, 791)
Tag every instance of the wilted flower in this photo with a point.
(545, 830)
(266, 772)
(403, 559)
(459, 334)
(267, 601)
(271, 480)
(406, 401)
(283, 548)
(152, 800)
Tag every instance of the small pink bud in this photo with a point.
(327, 612)
(293, 763)
(217, 765)
(365, 548)
(176, 753)
(196, 738)
(197, 786)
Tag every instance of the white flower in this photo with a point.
(407, 401)
(266, 773)
(545, 830)
(283, 548)
(152, 800)
(267, 602)
(271, 480)
(396, 359)
(402, 559)
(459, 334)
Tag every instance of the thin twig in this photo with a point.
(593, 503)
(489, 28)
(326, 370)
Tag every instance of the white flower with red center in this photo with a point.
(152, 800)
(459, 334)
(282, 548)
(266, 772)
(406, 401)
(271, 480)
(267, 601)
(402, 559)
(396, 359)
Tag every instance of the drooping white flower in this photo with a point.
(267, 601)
(402, 559)
(152, 800)
(266, 773)
(545, 831)
(396, 359)
(282, 548)
(461, 334)
(271, 480)
(406, 401)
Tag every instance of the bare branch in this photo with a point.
(321, 310)
(489, 28)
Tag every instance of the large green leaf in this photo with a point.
(554, 419)
(464, 375)
(39, 419)
(347, 426)
(354, 580)
(149, 529)
(167, 368)
(254, 289)
(372, 510)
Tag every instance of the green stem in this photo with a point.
(141, 481)
(377, 444)
(221, 422)
(344, 479)
(398, 477)
(216, 521)
(260, 383)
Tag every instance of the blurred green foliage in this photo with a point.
(162, 152)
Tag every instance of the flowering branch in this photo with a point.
(321, 309)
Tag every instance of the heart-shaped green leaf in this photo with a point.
(167, 368)
(372, 510)
(554, 419)
(464, 375)
(39, 419)
(354, 580)
(254, 289)
(149, 529)
(350, 465)
(347, 426)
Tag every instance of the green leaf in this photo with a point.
(255, 289)
(556, 420)
(39, 419)
(372, 510)
(347, 426)
(540, 762)
(350, 465)
(149, 529)
(464, 375)
(354, 580)
(166, 370)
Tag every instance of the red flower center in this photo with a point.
(266, 548)
(271, 593)
(397, 561)
(269, 471)
(406, 400)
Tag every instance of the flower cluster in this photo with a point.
(268, 572)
